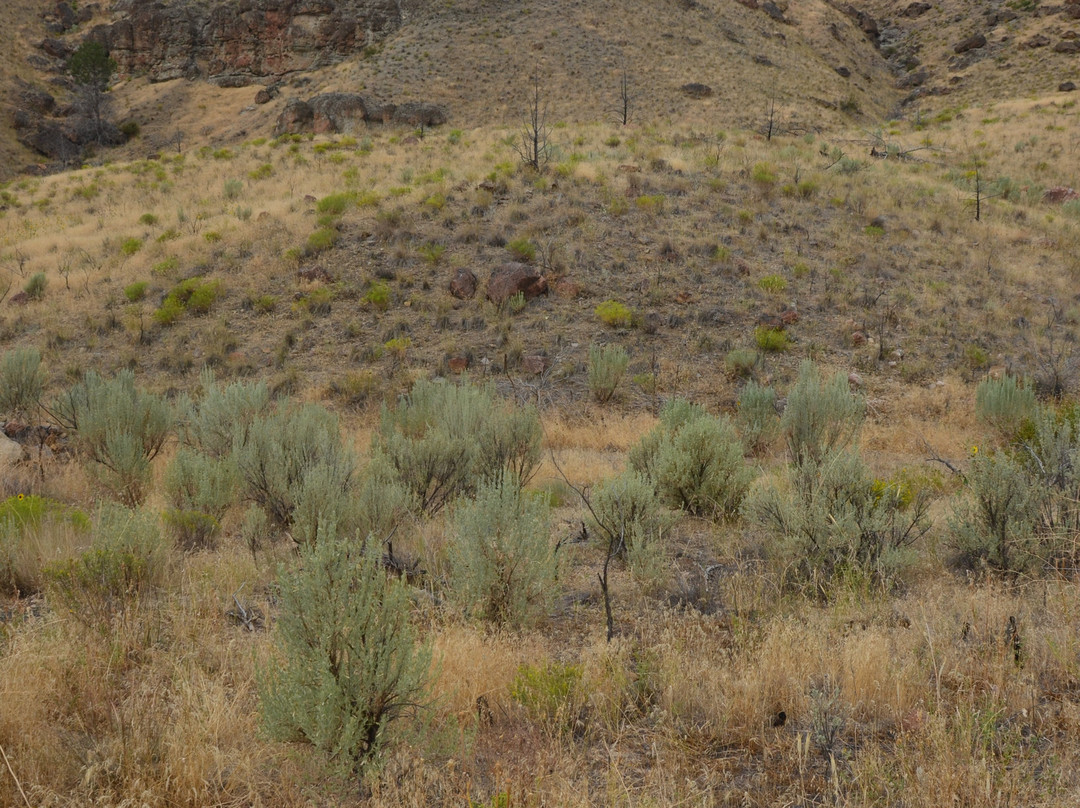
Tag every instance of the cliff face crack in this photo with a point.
(242, 42)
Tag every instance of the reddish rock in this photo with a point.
(973, 42)
(789, 317)
(314, 275)
(855, 380)
(535, 364)
(567, 289)
(296, 118)
(511, 278)
(458, 364)
(1038, 41)
(19, 299)
(463, 284)
(336, 112)
(1059, 194)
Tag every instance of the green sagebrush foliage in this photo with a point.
(218, 421)
(607, 364)
(694, 460)
(757, 419)
(118, 428)
(1004, 404)
(348, 663)
(200, 489)
(127, 561)
(21, 381)
(830, 518)
(502, 562)
(443, 439)
(821, 416)
(628, 513)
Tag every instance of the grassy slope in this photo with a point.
(680, 706)
(22, 26)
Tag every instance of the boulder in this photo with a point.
(1066, 87)
(1059, 194)
(1038, 41)
(511, 278)
(1067, 46)
(916, 9)
(419, 113)
(973, 42)
(535, 364)
(843, 71)
(696, 89)
(295, 119)
(10, 453)
(337, 112)
(463, 284)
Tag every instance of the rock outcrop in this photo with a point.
(341, 112)
(237, 42)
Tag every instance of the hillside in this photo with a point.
(722, 580)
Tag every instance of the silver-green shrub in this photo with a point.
(219, 420)
(443, 439)
(119, 428)
(501, 558)
(695, 461)
(757, 419)
(1004, 404)
(200, 489)
(21, 381)
(348, 662)
(294, 465)
(626, 508)
(830, 517)
(821, 416)
(996, 523)
(607, 364)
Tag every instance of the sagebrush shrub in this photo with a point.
(694, 460)
(629, 515)
(200, 488)
(443, 439)
(1004, 404)
(821, 416)
(756, 418)
(347, 663)
(118, 428)
(607, 364)
(502, 562)
(21, 381)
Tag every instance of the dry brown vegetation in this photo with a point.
(332, 257)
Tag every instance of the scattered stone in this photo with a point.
(10, 453)
(855, 380)
(1038, 41)
(1067, 46)
(651, 322)
(511, 278)
(316, 274)
(844, 71)
(916, 78)
(265, 95)
(1067, 86)
(295, 119)
(535, 364)
(458, 363)
(19, 299)
(789, 317)
(763, 60)
(463, 284)
(773, 11)
(867, 24)
(1059, 194)
(419, 113)
(697, 90)
(567, 289)
(858, 338)
(336, 112)
(916, 10)
(973, 42)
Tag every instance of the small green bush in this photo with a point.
(21, 381)
(321, 240)
(522, 248)
(233, 188)
(130, 246)
(741, 362)
(118, 428)
(615, 314)
(553, 695)
(136, 291)
(196, 295)
(378, 295)
(348, 663)
(694, 460)
(763, 174)
(127, 562)
(336, 204)
(771, 340)
(149, 219)
(35, 286)
(607, 364)
(773, 284)
(1004, 404)
(262, 172)
(502, 561)
(33, 529)
(443, 439)
(627, 509)
(756, 418)
(200, 489)
(821, 416)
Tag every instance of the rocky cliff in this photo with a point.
(237, 42)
